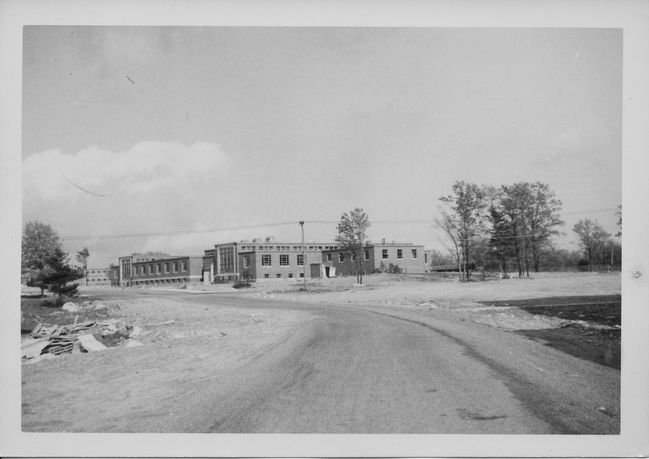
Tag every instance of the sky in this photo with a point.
(174, 139)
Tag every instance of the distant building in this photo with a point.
(146, 269)
(98, 277)
(169, 270)
(125, 268)
(403, 257)
(267, 259)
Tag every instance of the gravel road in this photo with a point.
(339, 369)
(355, 369)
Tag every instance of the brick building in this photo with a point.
(141, 270)
(98, 277)
(384, 256)
(267, 259)
(171, 270)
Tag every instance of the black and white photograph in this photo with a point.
(231, 220)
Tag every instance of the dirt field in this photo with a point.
(109, 390)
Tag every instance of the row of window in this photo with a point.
(384, 255)
(279, 276)
(285, 248)
(160, 268)
(267, 260)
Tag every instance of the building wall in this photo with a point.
(244, 259)
(98, 277)
(374, 258)
(171, 270)
(124, 265)
(283, 264)
(407, 262)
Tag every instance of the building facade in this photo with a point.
(267, 259)
(171, 270)
(98, 277)
(137, 269)
(401, 257)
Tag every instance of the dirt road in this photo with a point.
(335, 369)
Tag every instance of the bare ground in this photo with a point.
(113, 390)
(158, 385)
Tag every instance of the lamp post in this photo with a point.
(303, 254)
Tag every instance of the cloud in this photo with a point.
(151, 188)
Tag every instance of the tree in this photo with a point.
(352, 236)
(39, 243)
(619, 221)
(82, 257)
(592, 238)
(463, 221)
(60, 274)
(524, 216)
(44, 264)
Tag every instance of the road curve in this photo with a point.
(371, 370)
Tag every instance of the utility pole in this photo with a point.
(303, 254)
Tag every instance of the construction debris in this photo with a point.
(89, 343)
(89, 336)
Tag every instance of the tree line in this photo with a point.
(510, 227)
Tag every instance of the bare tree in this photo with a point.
(352, 236)
(592, 238)
(82, 257)
(463, 221)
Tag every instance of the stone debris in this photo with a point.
(70, 307)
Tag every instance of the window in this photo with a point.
(175, 266)
(384, 253)
(399, 253)
(341, 257)
(166, 267)
(157, 268)
(301, 274)
(246, 261)
(328, 257)
(278, 275)
(265, 260)
(183, 266)
(367, 254)
(353, 257)
(283, 260)
(300, 260)
(414, 253)
(266, 276)
(290, 275)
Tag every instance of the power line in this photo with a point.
(272, 224)
(171, 233)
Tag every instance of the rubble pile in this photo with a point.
(89, 336)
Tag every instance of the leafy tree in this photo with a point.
(592, 238)
(619, 221)
(352, 236)
(44, 264)
(463, 221)
(524, 217)
(39, 244)
(82, 257)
